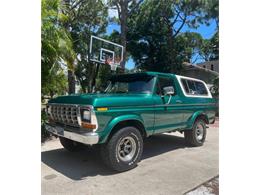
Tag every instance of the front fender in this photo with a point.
(112, 123)
(195, 116)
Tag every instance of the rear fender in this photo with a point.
(195, 116)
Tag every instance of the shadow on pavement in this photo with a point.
(88, 163)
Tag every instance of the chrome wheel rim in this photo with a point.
(199, 132)
(126, 148)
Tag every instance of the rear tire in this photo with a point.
(70, 145)
(197, 135)
(124, 150)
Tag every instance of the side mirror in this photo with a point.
(168, 90)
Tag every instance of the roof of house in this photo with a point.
(194, 66)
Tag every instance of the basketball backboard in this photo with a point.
(105, 52)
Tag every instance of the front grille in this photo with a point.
(65, 114)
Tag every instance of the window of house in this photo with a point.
(212, 67)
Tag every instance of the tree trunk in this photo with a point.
(123, 27)
(71, 82)
(52, 94)
(171, 51)
(82, 85)
(71, 75)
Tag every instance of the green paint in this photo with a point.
(150, 109)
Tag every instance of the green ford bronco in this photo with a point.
(133, 107)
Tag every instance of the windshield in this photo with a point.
(138, 85)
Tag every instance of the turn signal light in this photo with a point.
(88, 125)
(102, 109)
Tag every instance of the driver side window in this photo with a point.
(163, 82)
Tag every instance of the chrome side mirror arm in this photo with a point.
(170, 98)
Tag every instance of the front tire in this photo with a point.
(70, 145)
(124, 150)
(197, 135)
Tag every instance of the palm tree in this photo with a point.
(56, 44)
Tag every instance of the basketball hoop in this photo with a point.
(113, 67)
(103, 51)
(111, 63)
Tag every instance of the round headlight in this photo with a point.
(86, 115)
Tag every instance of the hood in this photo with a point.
(105, 100)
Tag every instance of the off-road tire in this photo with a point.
(70, 145)
(191, 135)
(110, 154)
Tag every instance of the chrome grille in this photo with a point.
(66, 114)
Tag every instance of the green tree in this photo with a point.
(56, 48)
(212, 10)
(210, 48)
(155, 38)
(86, 18)
(125, 8)
(215, 88)
(103, 76)
(57, 82)
(188, 45)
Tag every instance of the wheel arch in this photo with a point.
(124, 121)
(200, 114)
(203, 117)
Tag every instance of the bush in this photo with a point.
(215, 92)
(44, 133)
(215, 88)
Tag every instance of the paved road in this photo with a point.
(168, 167)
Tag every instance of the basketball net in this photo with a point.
(110, 62)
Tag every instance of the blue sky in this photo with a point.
(205, 31)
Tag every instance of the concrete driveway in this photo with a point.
(167, 167)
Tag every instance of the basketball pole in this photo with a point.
(95, 76)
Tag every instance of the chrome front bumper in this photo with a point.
(85, 138)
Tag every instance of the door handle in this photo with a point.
(178, 101)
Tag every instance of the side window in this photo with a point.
(163, 82)
(185, 85)
(201, 89)
(192, 87)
